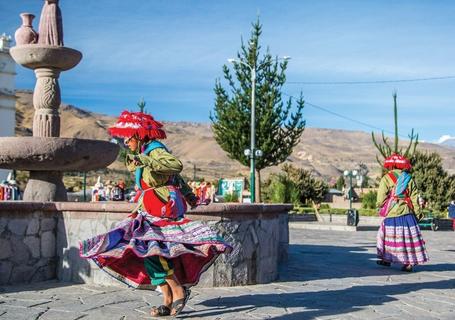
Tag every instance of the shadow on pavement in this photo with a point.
(321, 303)
(367, 228)
(36, 286)
(316, 262)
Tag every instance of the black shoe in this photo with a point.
(179, 304)
(161, 311)
(407, 268)
(383, 263)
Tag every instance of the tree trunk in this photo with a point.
(316, 212)
(258, 186)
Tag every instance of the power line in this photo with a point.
(344, 117)
(369, 82)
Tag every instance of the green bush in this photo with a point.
(369, 200)
(294, 185)
(281, 190)
(231, 197)
(337, 211)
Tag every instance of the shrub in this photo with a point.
(231, 197)
(369, 200)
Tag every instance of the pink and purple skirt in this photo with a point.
(399, 240)
(190, 245)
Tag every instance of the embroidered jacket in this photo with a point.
(400, 207)
(159, 168)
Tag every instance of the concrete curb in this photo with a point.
(321, 226)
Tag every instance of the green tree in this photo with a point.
(278, 129)
(340, 183)
(363, 173)
(280, 189)
(433, 182)
(298, 186)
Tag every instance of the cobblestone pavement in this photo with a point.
(330, 275)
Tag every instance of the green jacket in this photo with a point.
(158, 166)
(401, 208)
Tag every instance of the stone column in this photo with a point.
(45, 186)
(46, 100)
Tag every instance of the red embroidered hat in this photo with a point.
(138, 124)
(397, 161)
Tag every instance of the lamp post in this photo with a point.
(252, 152)
(350, 174)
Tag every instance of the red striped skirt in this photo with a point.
(399, 240)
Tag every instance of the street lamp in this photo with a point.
(350, 174)
(252, 152)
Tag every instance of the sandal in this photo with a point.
(407, 268)
(383, 263)
(162, 311)
(179, 304)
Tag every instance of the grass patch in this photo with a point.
(325, 210)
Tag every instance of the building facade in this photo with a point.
(7, 93)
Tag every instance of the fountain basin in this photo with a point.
(35, 56)
(55, 154)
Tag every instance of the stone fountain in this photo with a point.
(46, 155)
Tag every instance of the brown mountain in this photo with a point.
(326, 152)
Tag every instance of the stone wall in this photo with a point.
(27, 244)
(40, 241)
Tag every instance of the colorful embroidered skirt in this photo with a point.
(399, 240)
(190, 245)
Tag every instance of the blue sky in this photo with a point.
(170, 52)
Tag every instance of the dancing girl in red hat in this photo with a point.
(156, 245)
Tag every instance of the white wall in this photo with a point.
(7, 95)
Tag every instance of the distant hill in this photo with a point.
(448, 142)
(326, 152)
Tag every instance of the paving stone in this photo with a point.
(329, 275)
(19, 313)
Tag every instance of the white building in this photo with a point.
(7, 93)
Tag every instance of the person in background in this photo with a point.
(399, 239)
(451, 213)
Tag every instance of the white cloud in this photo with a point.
(444, 138)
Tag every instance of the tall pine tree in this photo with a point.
(278, 130)
(433, 182)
